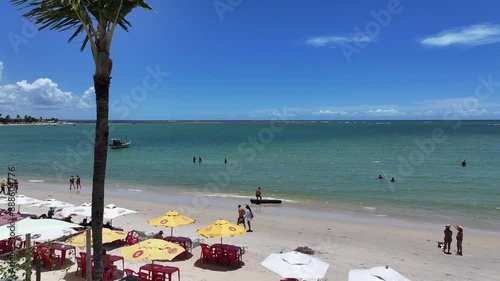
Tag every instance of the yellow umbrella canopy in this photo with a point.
(221, 228)
(108, 236)
(171, 219)
(152, 249)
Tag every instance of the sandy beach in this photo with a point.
(343, 240)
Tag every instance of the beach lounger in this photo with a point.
(196, 241)
(244, 248)
(143, 235)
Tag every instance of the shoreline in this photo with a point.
(198, 203)
(344, 240)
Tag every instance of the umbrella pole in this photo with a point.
(171, 231)
(88, 236)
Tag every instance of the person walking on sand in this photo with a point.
(249, 217)
(71, 182)
(78, 183)
(448, 238)
(4, 182)
(241, 216)
(460, 237)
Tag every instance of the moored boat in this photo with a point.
(119, 143)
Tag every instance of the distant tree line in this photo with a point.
(27, 119)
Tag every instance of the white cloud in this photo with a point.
(43, 94)
(441, 109)
(88, 99)
(332, 113)
(1, 70)
(333, 41)
(472, 35)
(384, 112)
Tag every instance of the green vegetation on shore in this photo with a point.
(26, 120)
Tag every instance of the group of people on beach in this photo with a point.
(72, 182)
(448, 238)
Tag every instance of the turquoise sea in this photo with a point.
(326, 163)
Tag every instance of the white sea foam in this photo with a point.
(36, 180)
(135, 190)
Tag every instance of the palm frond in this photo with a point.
(82, 16)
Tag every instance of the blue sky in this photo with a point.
(266, 59)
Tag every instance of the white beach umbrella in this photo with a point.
(20, 200)
(112, 211)
(50, 234)
(29, 225)
(296, 265)
(376, 274)
(51, 203)
(84, 210)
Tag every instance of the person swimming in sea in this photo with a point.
(464, 164)
(380, 177)
(393, 180)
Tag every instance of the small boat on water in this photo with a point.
(119, 143)
(265, 201)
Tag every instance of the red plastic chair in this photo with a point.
(131, 238)
(51, 259)
(220, 255)
(129, 272)
(81, 264)
(158, 277)
(206, 253)
(232, 257)
(143, 276)
(132, 241)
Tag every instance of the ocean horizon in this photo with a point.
(331, 164)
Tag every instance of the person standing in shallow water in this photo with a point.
(71, 182)
(464, 164)
(78, 182)
(194, 159)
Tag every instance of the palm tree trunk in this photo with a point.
(101, 85)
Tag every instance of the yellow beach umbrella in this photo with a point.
(221, 228)
(108, 236)
(152, 249)
(171, 219)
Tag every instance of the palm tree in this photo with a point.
(96, 20)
